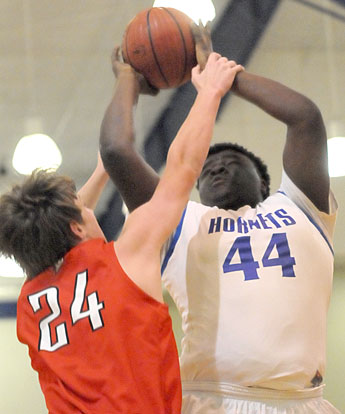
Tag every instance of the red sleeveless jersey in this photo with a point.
(98, 342)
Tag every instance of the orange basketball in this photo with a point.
(158, 43)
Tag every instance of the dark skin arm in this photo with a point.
(133, 177)
(305, 151)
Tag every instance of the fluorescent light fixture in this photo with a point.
(336, 156)
(196, 9)
(9, 268)
(36, 151)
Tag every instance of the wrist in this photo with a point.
(210, 93)
(126, 74)
(130, 81)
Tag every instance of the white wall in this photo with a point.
(19, 387)
(335, 372)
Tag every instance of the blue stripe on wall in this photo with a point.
(8, 310)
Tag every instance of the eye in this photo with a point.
(205, 171)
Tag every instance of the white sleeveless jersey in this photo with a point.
(253, 288)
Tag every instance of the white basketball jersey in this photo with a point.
(253, 288)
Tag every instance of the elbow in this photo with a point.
(315, 122)
(108, 152)
(309, 117)
(112, 151)
(310, 112)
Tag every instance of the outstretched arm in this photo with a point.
(133, 177)
(148, 227)
(91, 191)
(305, 152)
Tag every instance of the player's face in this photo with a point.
(230, 180)
(90, 226)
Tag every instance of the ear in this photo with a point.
(263, 187)
(78, 229)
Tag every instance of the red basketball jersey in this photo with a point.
(98, 342)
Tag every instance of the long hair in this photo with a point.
(35, 221)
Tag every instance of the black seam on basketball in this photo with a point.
(183, 41)
(153, 49)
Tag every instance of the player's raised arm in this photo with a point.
(151, 224)
(189, 149)
(133, 177)
(91, 191)
(305, 152)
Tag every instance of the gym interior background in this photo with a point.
(56, 73)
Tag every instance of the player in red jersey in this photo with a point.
(92, 311)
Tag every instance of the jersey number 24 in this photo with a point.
(94, 307)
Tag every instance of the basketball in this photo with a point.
(158, 43)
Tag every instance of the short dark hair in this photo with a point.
(258, 162)
(35, 221)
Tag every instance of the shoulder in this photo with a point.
(194, 207)
(289, 188)
(325, 221)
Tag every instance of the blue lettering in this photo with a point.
(287, 220)
(263, 222)
(273, 220)
(229, 224)
(215, 225)
(253, 223)
(267, 221)
(242, 224)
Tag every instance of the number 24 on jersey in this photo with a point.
(93, 313)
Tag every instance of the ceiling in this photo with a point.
(55, 66)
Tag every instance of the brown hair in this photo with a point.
(35, 221)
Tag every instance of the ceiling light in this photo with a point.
(196, 9)
(36, 151)
(336, 156)
(9, 268)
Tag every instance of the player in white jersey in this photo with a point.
(250, 273)
(253, 310)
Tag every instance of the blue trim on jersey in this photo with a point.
(320, 230)
(174, 240)
(310, 218)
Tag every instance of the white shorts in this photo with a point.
(221, 398)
